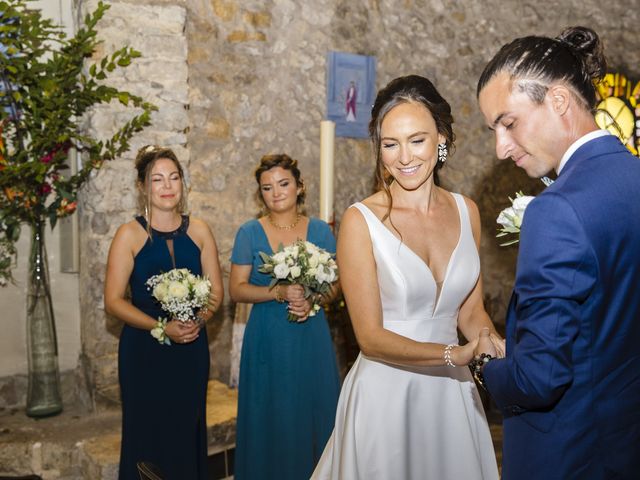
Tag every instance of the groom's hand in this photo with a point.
(485, 345)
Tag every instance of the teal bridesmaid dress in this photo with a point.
(289, 383)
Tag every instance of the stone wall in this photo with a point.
(110, 199)
(237, 79)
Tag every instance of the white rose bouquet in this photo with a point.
(305, 264)
(180, 294)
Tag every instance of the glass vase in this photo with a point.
(43, 396)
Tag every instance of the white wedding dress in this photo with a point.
(413, 423)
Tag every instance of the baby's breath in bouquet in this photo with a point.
(180, 294)
(305, 264)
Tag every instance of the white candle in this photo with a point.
(327, 151)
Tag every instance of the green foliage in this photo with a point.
(48, 84)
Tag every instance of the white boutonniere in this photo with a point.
(511, 217)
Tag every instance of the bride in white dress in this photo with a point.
(409, 267)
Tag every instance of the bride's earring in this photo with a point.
(442, 152)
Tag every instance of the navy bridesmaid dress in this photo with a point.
(289, 382)
(163, 387)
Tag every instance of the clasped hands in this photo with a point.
(489, 343)
(298, 305)
(186, 332)
(486, 342)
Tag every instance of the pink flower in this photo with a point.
(64, 147)
(45, 189)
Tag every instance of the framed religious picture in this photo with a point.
(351, 83)
(618, 109)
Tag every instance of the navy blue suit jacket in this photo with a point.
(569, 387)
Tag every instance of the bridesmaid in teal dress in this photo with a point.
(163, 387)
(289, 384)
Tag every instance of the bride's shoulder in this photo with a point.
(378, 204)
(472, 208)
(470, 204)
(474, 215)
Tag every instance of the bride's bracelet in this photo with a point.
(158, 332)
(447, 355)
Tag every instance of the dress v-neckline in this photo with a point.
(421, 260)
(266, 237)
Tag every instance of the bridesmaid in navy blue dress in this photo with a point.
(289, 384)
(163, 387)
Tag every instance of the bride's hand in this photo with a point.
(462, 355)
(485, 344)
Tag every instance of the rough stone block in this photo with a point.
(257, 19)
(244, 36)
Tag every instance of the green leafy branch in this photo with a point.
(48, 85)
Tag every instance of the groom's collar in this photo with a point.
(577, 144)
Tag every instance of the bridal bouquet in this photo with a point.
(302, 263)
(180, 292)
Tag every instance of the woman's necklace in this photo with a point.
(284, 227)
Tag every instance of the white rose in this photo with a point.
(178, 290)
(279, 257)
(160, 291)
(311, 248)
(157, 332)
(513, 215)
(281, 271)
(202, 288)
(324, 257)
(320, 276)
(314, 260)
(520, 204)
(191, 278)
(295, 271)
(507, 217)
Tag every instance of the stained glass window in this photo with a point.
(618, 109)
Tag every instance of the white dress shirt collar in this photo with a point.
(577, 144)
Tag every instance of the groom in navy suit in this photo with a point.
(569, 386)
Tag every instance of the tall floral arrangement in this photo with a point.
(46, 90)
(48, 85)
